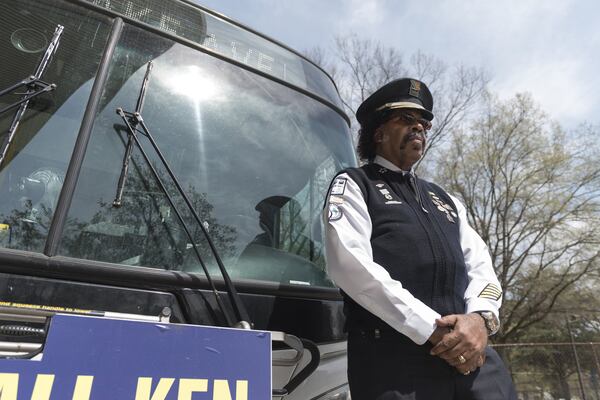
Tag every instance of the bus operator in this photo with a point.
(420, 293)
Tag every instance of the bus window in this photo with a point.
(33, 171)
(255, 156)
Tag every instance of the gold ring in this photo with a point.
(462, 360)
(466, 373)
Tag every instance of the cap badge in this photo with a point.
(415, 88)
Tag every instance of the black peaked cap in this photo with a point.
(401, 93)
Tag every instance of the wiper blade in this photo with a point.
(35, 86)
(132, 125)
(135, 120)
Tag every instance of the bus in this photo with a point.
(162, 162)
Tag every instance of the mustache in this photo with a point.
(414, 135)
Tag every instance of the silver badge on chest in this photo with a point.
(444, 207)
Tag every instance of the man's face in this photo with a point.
(402, 138)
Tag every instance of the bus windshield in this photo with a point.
(224, 37)
(254, 155)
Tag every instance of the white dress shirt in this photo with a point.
(350, 264)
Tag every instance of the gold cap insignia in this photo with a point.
(415, 88)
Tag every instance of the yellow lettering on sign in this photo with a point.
(83, 387)
(144, 389)
(42, 387)
(188, 386)
(221, 390)
(9, 383)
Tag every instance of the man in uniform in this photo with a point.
(420, 293)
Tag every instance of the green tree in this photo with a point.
(532, 191)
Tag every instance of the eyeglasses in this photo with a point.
(410, 119)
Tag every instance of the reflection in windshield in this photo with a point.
(145, 230)
(256, 157)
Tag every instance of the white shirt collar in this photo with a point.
(389, 165)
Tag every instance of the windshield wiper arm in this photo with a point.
(135, 120)
(35, 86)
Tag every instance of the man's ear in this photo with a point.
(379, 136)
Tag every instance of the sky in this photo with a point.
(549, 48)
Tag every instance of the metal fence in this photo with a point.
(552, 371)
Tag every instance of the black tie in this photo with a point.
(412, 182)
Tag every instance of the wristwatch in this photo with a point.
(491, 322)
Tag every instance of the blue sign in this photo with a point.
(88, 358)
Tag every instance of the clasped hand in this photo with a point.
(460, 339)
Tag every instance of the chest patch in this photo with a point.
(388, 195)
(444, 207)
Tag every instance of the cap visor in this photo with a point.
(407, 105)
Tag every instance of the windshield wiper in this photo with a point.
(133, 121)
(35, 86)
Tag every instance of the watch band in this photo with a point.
(491, 322)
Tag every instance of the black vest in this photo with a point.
(418, 248)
